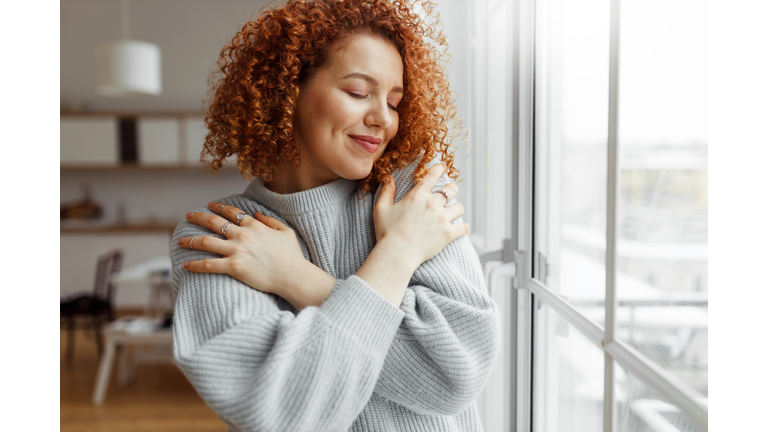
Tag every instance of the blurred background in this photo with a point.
(130, 171)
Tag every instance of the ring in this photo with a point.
(240, 217)
(190, 242)
(445, 194)
(225, 228)
(222, 206)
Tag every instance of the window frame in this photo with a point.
(529, 289)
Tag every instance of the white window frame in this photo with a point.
(531, 290)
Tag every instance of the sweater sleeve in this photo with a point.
(263, 369)
(444, 350)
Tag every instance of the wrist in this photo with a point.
(388, 272)
(307, 285)
(399, 254)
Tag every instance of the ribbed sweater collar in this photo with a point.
(304, 201)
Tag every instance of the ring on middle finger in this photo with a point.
(220, 208)
(445, 194)
(240, 217)
(225, 228)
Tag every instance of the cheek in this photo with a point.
(395, 124)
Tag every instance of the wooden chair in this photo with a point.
(95, 309)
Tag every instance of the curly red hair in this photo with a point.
(252, 112)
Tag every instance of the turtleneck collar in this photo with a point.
(304, 201)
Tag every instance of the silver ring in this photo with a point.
(445, 194)
(222, 206)
(240, 217)
(190, 242)
(225, 228)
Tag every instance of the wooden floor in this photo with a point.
(160, 398)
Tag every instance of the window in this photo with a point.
(644, 249)
(608, 202)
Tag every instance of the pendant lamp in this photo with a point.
(128, 67)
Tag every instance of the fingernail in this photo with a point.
(189, 215)
(186, 264)
(181, 241)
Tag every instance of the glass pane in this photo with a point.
(662, 260)
(571, 133)
(568, 370)
(640, 409)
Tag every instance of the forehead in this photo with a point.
(371, 55)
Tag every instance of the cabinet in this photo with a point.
(160, 140)
(89, 141)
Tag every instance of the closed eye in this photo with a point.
(360, 96)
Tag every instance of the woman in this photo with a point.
(306, 303)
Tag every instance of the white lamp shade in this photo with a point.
(128, 67)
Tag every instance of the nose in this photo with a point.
(379, 115)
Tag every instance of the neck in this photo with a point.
(290, 180)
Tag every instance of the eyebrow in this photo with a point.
(371, 80)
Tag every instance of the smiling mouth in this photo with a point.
(368, 143)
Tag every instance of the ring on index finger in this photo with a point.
(240, 217)
(220, 208)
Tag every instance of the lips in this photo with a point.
(369, 143)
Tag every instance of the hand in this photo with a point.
(261, 252)
(419, 226)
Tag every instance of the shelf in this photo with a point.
(77, 227)
(165, 167)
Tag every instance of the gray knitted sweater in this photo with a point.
(356, 363)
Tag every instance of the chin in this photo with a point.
(357, 174)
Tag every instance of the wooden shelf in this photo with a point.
(164, 167)
(101, 114)
(133, 228)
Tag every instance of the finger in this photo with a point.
(270, 222)
(217, 207)
(214, 265)
(206, 243)
(387, 193)
(211, 221)
(444, 195)
(451, 189)
(231, 213)
(458, 230)
(433, 175)
(454, 212)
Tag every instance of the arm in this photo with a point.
(446, 345)
(444, 350)
(409, 233)
(264, 369)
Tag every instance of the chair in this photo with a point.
(92, 309)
